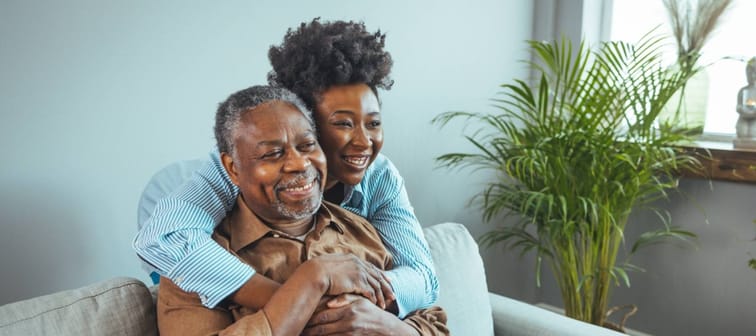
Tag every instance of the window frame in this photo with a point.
(591, 19)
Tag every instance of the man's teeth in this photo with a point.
(305, 187)
(356, 160)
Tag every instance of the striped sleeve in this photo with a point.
(177, 239)
(413, 277)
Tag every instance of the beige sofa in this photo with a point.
(124, 306)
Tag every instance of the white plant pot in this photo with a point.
(692, 108)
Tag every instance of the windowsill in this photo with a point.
(722, 161)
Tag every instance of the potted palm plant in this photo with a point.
(574, 154)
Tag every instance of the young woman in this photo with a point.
(336, 68)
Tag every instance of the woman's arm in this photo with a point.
(182, 313)
(413, 276)
(286, 313)
(176, 239)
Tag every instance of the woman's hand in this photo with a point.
(356, 316)
(347, 274)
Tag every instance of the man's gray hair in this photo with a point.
(229, 114)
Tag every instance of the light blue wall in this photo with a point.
(96, 96)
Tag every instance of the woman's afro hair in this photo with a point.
(318, 55)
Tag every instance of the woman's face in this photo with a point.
(349, 126)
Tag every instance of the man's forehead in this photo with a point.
(273, 125)
(281, 138)
(282, 111)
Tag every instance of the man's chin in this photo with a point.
(302, 210)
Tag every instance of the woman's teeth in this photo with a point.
(356, 160)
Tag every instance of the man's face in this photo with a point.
(278, 166)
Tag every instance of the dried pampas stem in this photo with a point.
(693, 22)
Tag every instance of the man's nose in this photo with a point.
(296, 162)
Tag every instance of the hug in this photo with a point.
(297, 224)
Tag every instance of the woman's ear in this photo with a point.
(228, 164)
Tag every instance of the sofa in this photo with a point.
(125, 306)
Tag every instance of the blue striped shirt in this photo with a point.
(177, 241)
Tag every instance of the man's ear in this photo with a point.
(228, 164)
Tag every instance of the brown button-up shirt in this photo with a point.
(276, 255)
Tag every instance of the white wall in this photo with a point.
(96, 96)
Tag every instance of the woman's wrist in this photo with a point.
(314, 274)
(256, 292)
(295, 301)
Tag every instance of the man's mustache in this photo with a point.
(300, 179)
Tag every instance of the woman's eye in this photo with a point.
(343, 123)
(374, 124)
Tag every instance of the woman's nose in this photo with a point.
(361, 137)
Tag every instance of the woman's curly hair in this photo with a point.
(318, 55)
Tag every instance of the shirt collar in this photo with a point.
(352, 194)
(244, 227)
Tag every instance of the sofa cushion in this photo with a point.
(119, 306)
(463, 292)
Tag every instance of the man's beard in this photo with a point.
(309, 206)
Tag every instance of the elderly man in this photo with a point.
(282, 227)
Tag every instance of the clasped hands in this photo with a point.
(357, 296)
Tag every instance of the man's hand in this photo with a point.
(347, 274)
(356, 316)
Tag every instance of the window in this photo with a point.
(726, 47)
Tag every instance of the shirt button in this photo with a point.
(179, 280)
(203, 299)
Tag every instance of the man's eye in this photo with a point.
(374, 124)
(306, 147)
(272, 154)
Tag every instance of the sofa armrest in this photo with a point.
(516, 318)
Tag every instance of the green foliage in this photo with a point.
(574, 154)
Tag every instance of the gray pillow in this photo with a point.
(463, 292)
(119, 306)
